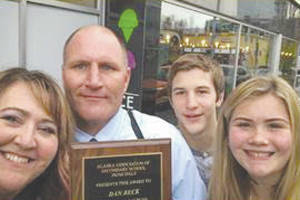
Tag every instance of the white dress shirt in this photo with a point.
(186, 182)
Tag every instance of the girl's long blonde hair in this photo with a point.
(229, 181)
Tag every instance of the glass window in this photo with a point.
(288, 57)
(255, 51)
(274, 15)
(210, 4)
(9, 39)
(87, 3)
(297, 82)
(184, 31)
(223, 43)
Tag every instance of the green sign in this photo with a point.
(128, 22)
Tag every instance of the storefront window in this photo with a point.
(297, 81)
(87, 3)
(255, 50)
(197, 33)
(210, 4)
(274, 15)
(288, 57)
(184, 31)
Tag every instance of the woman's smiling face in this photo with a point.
(28, 139)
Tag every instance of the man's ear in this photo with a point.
(220, 100)
(170, 100)
(127, 78)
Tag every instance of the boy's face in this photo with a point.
(194, 100)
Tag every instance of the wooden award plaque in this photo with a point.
(121, 170)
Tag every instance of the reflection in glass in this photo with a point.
(184, 31)
(274, 15)
(297, 81)
(255, 50)
(288, 60)
(187, 31)
(87, 3)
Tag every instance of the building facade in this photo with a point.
(247, 37)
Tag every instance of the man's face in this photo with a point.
(194, 100)
(95, 77)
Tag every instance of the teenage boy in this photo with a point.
(196, 90)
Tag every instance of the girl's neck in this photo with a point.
(263, 188)
(261, 193)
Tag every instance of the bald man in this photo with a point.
(96, 76)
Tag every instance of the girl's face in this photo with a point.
(260, 136)
(28, 139)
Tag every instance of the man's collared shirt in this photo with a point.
(186, 183)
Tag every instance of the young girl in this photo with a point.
(257, 151)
